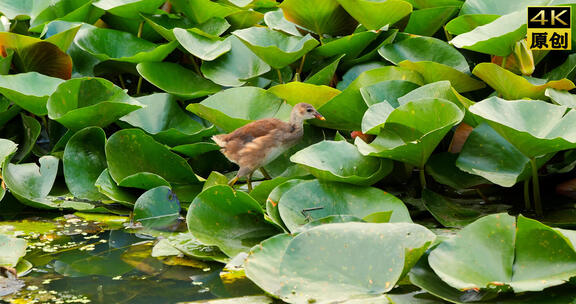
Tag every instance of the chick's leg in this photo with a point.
(265, 173)
(249, 182)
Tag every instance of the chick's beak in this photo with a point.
(319, 116)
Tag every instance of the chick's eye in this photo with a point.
(309, 110)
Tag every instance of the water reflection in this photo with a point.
(117, 267)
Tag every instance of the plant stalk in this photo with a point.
(122, 84)
(140, 28)
(423, 178)
(279, 76)
(536, 188)
(301, 64)
(139, 85)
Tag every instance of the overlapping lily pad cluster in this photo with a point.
(108, 105)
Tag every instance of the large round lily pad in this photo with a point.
(417, 49)
(85, 102)
(340, 161)
(131, 151)
(275, 48)
(500, 251)
(84, 160)
(229, 219)
(411, 132)
(314, 265)
(309, 200)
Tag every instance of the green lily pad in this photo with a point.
(324, 74)
(309, 200)
(200, 11)
(107, 44)
(272, 209)
(415, 50)
(202, 45)
(195, 149)
(338, 253)
(534, 127)
(497, 37)
(319, 16)
(295, 92)
(432, 72)
(107, 186)
(447, 212)
(157, 208)
(185, 243)
(376, 14)
(563, 98)
(412, 131)
(499, 8)
(31, 184)
(441, 89)
(489, 155)
(442, 167)
(144, 180)
(128, 8)
(233, 108)
(465, 23)
(244, 19)
(351, 45)
(164, 24)
(166, 121)
(235, 67)
(75, 105)
(11, 250)
(131, 151)
(262, 265)
(84, 160)
(275, 48)
(566, 70)
(428, 21)
(31, 131)
(345, 111)
(275, 20)
(177, 80)
(512, 247)
(386, 91)
(231, 220)
(424, 277)
(17, 89)
(7, 149)
(21, 8)
(512, 86)
(68, 10)
(340, 161)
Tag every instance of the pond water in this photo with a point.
(78, 261)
